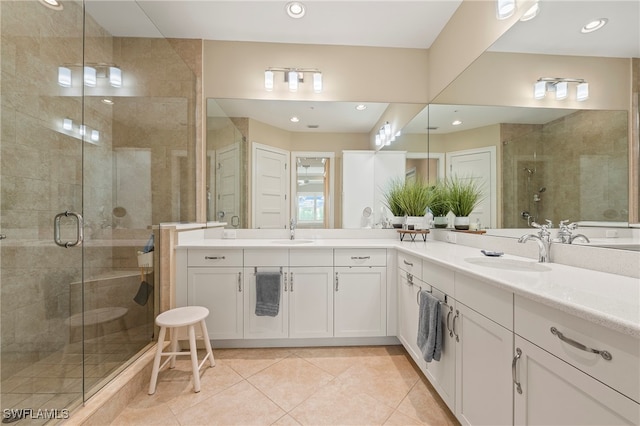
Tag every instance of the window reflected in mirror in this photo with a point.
(312, 198)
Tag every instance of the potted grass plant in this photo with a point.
(439, 205)
(392, 196)
(464, 195)
(414, 200)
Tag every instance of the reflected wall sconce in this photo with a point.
(90, 74)
(384, 137)
(561, 88)
(505, 8)
(80, 131)
(293, 77)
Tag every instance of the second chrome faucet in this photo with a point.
(543, 239)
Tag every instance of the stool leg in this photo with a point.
(207, 343)
(194, 358)
(174, 346)
(156, 362)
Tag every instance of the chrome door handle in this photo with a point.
(239, 282)
(453, 325)
(360, 257)
(291, 283)
(285, 281)
(514, 366)
(407, 263)
(448, 317)
(215, 257)
(604, 354)
(336, 281)
(79, 227)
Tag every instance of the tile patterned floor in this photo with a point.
(372, 385)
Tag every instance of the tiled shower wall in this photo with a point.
(584, 154)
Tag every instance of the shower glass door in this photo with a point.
(41, 179)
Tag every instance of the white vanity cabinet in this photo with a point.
(484, 348)
(215, 281)
(596, 388)
(360, 292)
(310, 293)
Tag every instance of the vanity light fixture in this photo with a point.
(82, 130)
(91, 72)
(293, 77)
(378, 139)
(95, 135)
(67, 124)
(295, 9)
(561, 88)
(594, 25)
(505, 8)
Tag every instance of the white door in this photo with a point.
(311, 302)
(270, 187)
(556, 393)
(227, 199)
(220, 290)
(478, 164)
(483, 369)
(360, 297)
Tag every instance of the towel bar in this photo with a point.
(255, 270)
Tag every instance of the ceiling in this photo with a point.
(409, 24)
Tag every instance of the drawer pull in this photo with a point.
(360, 257)
(291, 283)
(285, 281)
(604, 354)
(514, 365)
(448, 317)
(214, 257)
(336, 281)
(407, 263)
(453, 325)
(239, 282)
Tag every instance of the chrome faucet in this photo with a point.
(565, 235)
(292, 229)
(543, 239)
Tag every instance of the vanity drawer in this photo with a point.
(311, 257)
(486, 299)
(360, 257)
(214, 257)
(438, 276)
(411, 264)
(534, 321)
(266, 257)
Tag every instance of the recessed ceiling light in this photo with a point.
(456, 123)
(295, 9)
(52, 4)
(361, 107)
(594, 25)
(107, 101)
(294, 119)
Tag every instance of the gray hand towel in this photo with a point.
(267, 293)
(429, 328)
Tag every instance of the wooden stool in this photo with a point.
(187, 316)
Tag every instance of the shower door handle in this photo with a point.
(79, 227)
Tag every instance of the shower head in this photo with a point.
(528, 170)
(542, 189)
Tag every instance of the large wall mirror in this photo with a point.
(272, 161)
(557, 160)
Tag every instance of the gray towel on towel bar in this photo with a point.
(267, 293)
(429, 327)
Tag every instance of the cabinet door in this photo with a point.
(219, 290)
(555, 392)
(360, 297)
(442, 374)
(265, 327)
(310, 302)
(408, 311)
(483, 374)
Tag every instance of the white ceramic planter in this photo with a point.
(461, 223)
(440, 221)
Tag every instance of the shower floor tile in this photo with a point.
(293, 386)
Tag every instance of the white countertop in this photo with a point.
(606, 299)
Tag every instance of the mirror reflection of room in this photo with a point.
(311, 204)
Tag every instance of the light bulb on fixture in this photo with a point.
(387, 129)
(582, 92)
(115, 77)
(64, 76)
(90, 77)
(505, 8)
(67, 124)
(539, 89)
(317, 82)
(378, 140)
(268, 80)
(531, 13)
(95, 135)
(562, 90)
(293, 81)
(82, 130)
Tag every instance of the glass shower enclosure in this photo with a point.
(97, 147)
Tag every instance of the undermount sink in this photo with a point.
(508, 264)
(292, 242)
